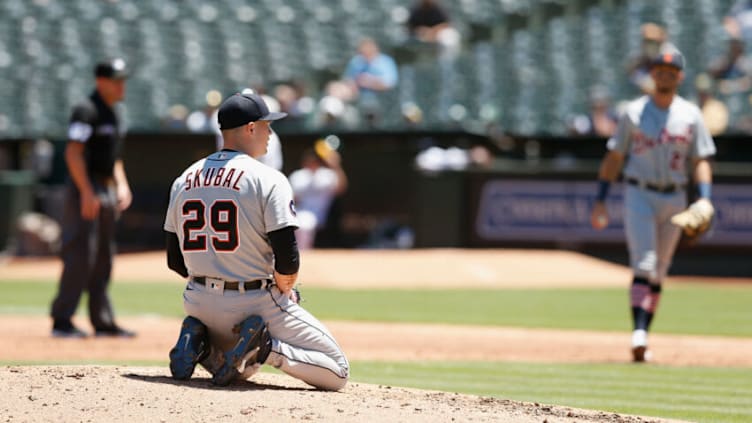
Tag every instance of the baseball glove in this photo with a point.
(696, 219)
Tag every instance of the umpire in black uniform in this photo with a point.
(97, 192)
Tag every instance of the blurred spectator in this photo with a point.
(434, 158)
(370, 71)
(638, 68)
(714, 112)
(335, 107)
(205, 120)
(315, 186)
(738, 21)
(601, 120)
(411, 113)
(175, 118)
(368, 74)
(37, 235)
(293, 101)
(733, 70)
(429, 23)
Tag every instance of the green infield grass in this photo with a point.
(685, 309)
(695, 394)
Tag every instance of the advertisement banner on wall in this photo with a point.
(559, 211)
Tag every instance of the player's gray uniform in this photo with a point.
(659, 145)
(226, 185)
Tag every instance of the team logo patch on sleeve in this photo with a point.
(292, 208)
(79, 131)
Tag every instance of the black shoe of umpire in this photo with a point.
(65, 329)
(253, 346)
(192, 347)
(114, 331)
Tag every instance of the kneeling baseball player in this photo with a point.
(230, 230)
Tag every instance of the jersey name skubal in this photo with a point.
(214, 177)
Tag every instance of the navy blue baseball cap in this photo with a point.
(670, 58)
(112, 69)
(241, 109)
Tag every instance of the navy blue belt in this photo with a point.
(664, 189)
(234, 286)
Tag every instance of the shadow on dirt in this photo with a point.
(205, 383)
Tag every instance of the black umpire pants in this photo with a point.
(88, 247)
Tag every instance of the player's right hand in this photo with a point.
(89, 205)
(599, 216)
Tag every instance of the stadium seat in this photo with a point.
(522, 65)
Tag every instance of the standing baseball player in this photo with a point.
(657, 137)
(97, 192)
(231, 231)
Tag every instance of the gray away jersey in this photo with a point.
(660, 142)
(222, 208)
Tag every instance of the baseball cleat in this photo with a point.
(69, 333)
(640, 353)
(65, 329)
(253, 346)
(192, 347)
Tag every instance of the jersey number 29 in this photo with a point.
(223, 218)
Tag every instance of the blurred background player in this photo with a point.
(738, 20)
(657, 136)
(732, 70)
(316, 185)
(97, 192)
(601, 118)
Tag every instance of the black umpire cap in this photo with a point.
(112, 69)
(241, 109)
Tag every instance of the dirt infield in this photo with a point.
(26, 339)
(28, 336)
(129, 394)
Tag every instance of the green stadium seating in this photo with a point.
(525, 65)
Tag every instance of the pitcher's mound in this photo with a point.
(128, 394)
